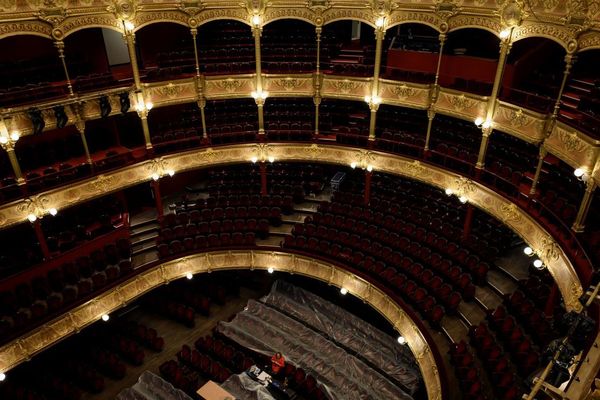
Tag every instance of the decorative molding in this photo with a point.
(77, 319)
(480, 196)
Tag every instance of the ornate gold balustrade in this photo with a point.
(553, 256)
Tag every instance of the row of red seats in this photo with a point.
(201, 242)
(127, 348)
(177, 311)
(466, 371)
(416, 295)
(107, 363)
(180, 378)
(208, 215)
(144, 335)
(498, 365)
(31, 301)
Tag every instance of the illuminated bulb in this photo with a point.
(343, 290)
(271, 159)
(129, 25)
(376, 100)
(478, 121)
(149, 106)
(3, 139)
(105, 317)
(504, 34)
(401, 340)
(256, 20)
(171, 172)
(31, 217)
(449, 192)
(380, 21)
(254, 160)
(462, 199)
(528, 250)
(353, 164)
(270, 270)
(579, 172)
(538, 264)
(367, 99)
(155, 176)
(15, 136)
(486, 124)
(189, 275)
(2, 376)
(369, 168)
(53, 211)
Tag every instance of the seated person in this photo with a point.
(277, 364)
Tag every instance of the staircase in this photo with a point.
(572, 94)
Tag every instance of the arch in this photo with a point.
(480, 27)
(103, 26)
(159, 274)
(348, 18)
(414, 21)
(295, 17)
(541, 35)
(162, 21)
(486, 199)
(26, 33)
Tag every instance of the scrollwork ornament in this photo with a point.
(124, 9)
(549, 249)
(313, 151)
(36, 205)
(464, 186)
(288, 84)
(403, 91)
(518, 119)
(345, 86)
(415, 168)
(103, 183)
(510, 213)
(229, 85)
(8, 5)
(171, 90)
(461, 102)
(571, 141)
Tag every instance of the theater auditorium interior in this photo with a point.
(400, 197)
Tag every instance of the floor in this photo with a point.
(175, 336)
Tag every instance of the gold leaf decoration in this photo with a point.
(415, 168)
(403, 91)
(517, 118)
(103, 183)
(313, 151)
(230, 85)
(571, 141)
(549, 249)
(345, 86)
(171, 90)
(510, 213)
(289, 84)
(461, 102)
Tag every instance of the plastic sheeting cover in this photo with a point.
(266, 330)
(348, 330)
(245, 388)
(152, 387)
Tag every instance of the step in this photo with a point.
(142, 218)
(271, 241)
(499, 283)
(470, 313)
(569, 105)
(144, 258)
(487, 298)
(283, 230)
(143, 238)
(454, 328)
(135, 250)
(146, 227)
(582, 88)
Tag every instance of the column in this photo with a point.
(505, 45)
(60, 46)
(9, 147)
(259, 96)
(468, 222)
(538, 170)
(157, 198)
(549, 125)
(373, 106)
(486, 132)
(39, 234)
(579, 223)
(368, 177)
(430, 117)
(194, 33)
(263, 178)
(202, 105)
(317, 80)
(80, 125)
(374, 100)
(143, 114)
(130, 40)
(434, 93)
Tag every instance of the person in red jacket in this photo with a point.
(277, 363)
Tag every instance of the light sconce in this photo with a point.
(129, 26)
(344, 291)
(380, 22)
(254, 160)
(2, 376)
(189, 275)
(270, 270)
(7, 139)
(504, 34)
(32, 217)
(259, 95)
(479, 121)
(369, 168)
(39, 214)
(53, 211)
(141, 104)
(449, 192)
(256, 20)
(528, 251)
(375, 100)
(463, 199)
(353, 164)
(271, 159)
(581, 174)
(401, 340)
(363, 165)
(538, 264)
(105, 317)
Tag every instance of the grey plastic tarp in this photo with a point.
(242, 387)
(348, 330)
(266, 330)
(152, 387)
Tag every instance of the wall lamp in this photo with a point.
(582, 174)
(362, 165)
(537, 263)
(480, 122)
(256, 20)
(462, 198)
(141, 104)
(260, 94)
(32, 217)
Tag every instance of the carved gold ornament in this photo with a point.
(170, 90)
(571, 141)
(345, 86)
(403, 91)
(549, 249)
(517, 118)
(313, 151)
(229, 85)
(103, 183)
(289, 84)
(510, 213)
(460, 102)
(415, 169)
